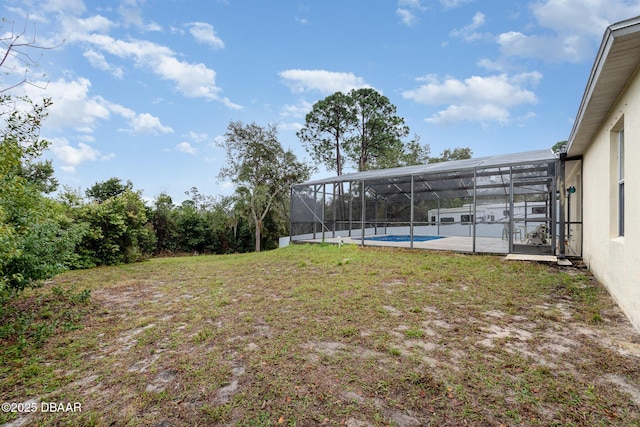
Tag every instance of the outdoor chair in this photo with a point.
(517, 232)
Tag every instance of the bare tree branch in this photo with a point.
(17, 45)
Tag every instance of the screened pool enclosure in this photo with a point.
(501, 204)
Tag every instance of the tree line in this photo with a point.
(109, 223)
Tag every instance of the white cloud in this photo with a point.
(71, 156)
(451, 4)
(73, 107)
(75, 7)
(97, 60)
(407, 11)
(476, 99)
(153, 26)
(572, 48)
(471, 113)
(76, 27)
(290, 126)
(407, 17)
(192, 80)
(118, 109)
(414, 4)
(204, 33)
(322, 81)
(176, 30)
(145, 123)
(469, 32)
(573, 27)
(490, 65)
(298, 111)
(582, 17)
(131, 14)
(197, 137)
(185, 147)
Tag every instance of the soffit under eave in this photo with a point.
(621, 63)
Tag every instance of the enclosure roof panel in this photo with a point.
(503, 160)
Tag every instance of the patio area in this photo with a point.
(500, 204)
(450, 243)
(487, 245)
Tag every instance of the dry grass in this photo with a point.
(321, 335)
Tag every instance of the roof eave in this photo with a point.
(580, 136)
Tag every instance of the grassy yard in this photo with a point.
(322, 335)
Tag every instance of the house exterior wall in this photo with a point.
(614, 259)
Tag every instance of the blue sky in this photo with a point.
(143, 88)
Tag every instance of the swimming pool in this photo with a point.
(402, 238)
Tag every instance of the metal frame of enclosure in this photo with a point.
(501, 204)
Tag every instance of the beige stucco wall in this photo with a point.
(614, 260)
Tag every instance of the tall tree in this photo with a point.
(378, 132)
(361, 127)
(327, 126)
(260, 168)
(559, 147)
(415, 153)
(113, 187)
(164, 223)
(448, 155)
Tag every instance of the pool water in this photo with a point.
(402, 238)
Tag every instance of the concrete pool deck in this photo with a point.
(451, 243)
(488, 245)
